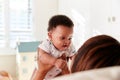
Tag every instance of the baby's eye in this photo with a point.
(70, 38)
(62, 38)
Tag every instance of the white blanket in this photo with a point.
(109, 73)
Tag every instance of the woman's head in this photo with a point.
(60, 31)
(97, 52)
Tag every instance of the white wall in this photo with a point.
(8, 63)
(79, 12)
(105, 17)
(92, 17)
(43, 10)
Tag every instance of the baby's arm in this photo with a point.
(45, 58)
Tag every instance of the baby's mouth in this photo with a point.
(65, 46)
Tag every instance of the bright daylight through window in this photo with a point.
(15, 22)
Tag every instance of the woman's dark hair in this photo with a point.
(59, 20)
(97, 52)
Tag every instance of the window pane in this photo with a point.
(20, 36)
(20, 21)
(15, 22)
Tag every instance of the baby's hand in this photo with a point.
(60, 63)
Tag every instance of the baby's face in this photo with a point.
(61, 37)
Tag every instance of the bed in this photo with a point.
(109, 73)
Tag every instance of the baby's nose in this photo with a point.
(67, 41)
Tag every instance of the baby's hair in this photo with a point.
(59, 20)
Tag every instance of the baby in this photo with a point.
(57, 45)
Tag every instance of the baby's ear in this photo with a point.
(50, 35)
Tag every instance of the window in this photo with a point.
(15, 22)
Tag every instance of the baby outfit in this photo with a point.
(48, 47)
